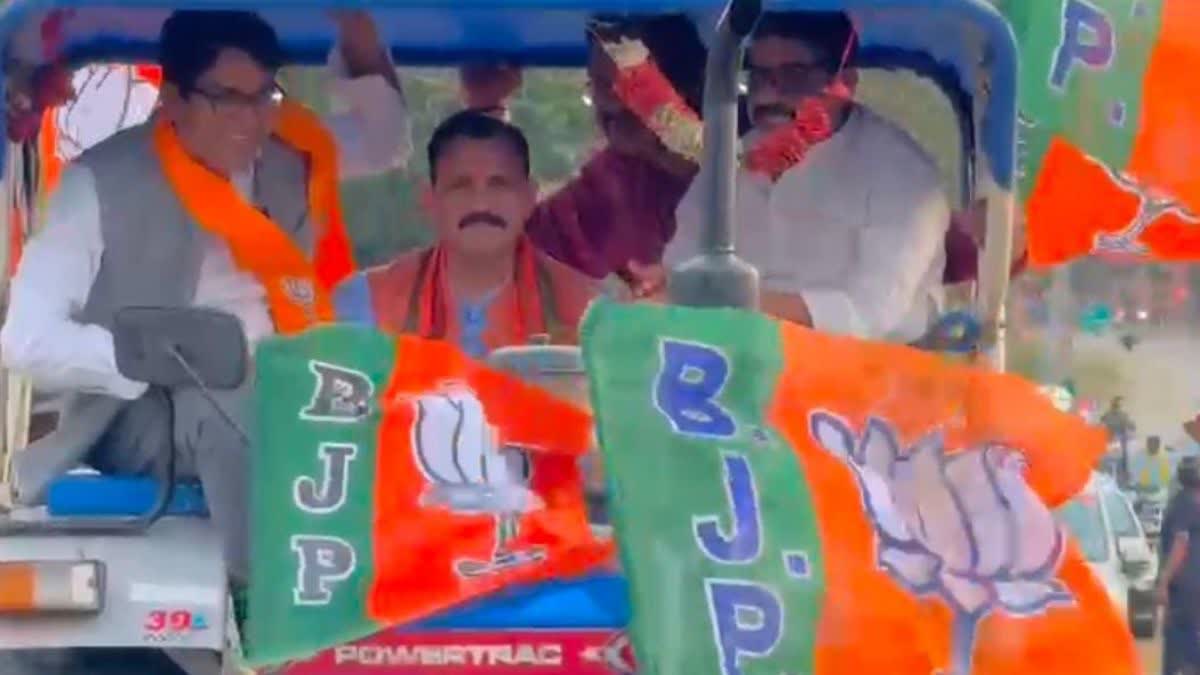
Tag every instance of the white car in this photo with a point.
(1103, 522)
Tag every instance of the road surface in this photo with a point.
(1162, 382)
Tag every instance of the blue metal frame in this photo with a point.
(489, 27)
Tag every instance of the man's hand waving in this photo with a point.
(362, 48)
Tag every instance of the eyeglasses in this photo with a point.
(225, 101)
(789, 79)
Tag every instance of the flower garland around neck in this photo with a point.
(647, 92)
(785, 147)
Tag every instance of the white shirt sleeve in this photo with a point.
(41, 337)
(904, 237)
(685, 244)
(373, 129)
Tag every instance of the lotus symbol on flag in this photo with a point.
(964, 527)
(456, 450)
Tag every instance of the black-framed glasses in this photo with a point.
(224, 100)
(789, 79)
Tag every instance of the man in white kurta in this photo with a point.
(851, 239)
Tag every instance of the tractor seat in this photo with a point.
(92, 494)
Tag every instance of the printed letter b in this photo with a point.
(690, 377)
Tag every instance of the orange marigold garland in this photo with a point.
(643, 88)
(785, 147)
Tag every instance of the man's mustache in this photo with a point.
(482, 218)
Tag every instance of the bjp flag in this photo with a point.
(394, 478)
(1110, 127)
(793, 502)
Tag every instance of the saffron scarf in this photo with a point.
(297, 285)
(528, 295)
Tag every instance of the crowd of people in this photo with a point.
(1149, 464)
(1152, 469)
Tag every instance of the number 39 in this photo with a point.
(158, 621)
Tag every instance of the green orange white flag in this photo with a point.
(791, 502)
(394, 478)
(1109, 109)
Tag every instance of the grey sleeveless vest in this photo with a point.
(152, 248)
(152, 255)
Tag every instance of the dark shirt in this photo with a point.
(1118, 423)
(1183, 515)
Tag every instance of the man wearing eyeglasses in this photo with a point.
(226, 198)
(850, 239)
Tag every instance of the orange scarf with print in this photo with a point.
(298, 286)
(433, 307)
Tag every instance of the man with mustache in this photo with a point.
(849, 239)
(482, 285)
